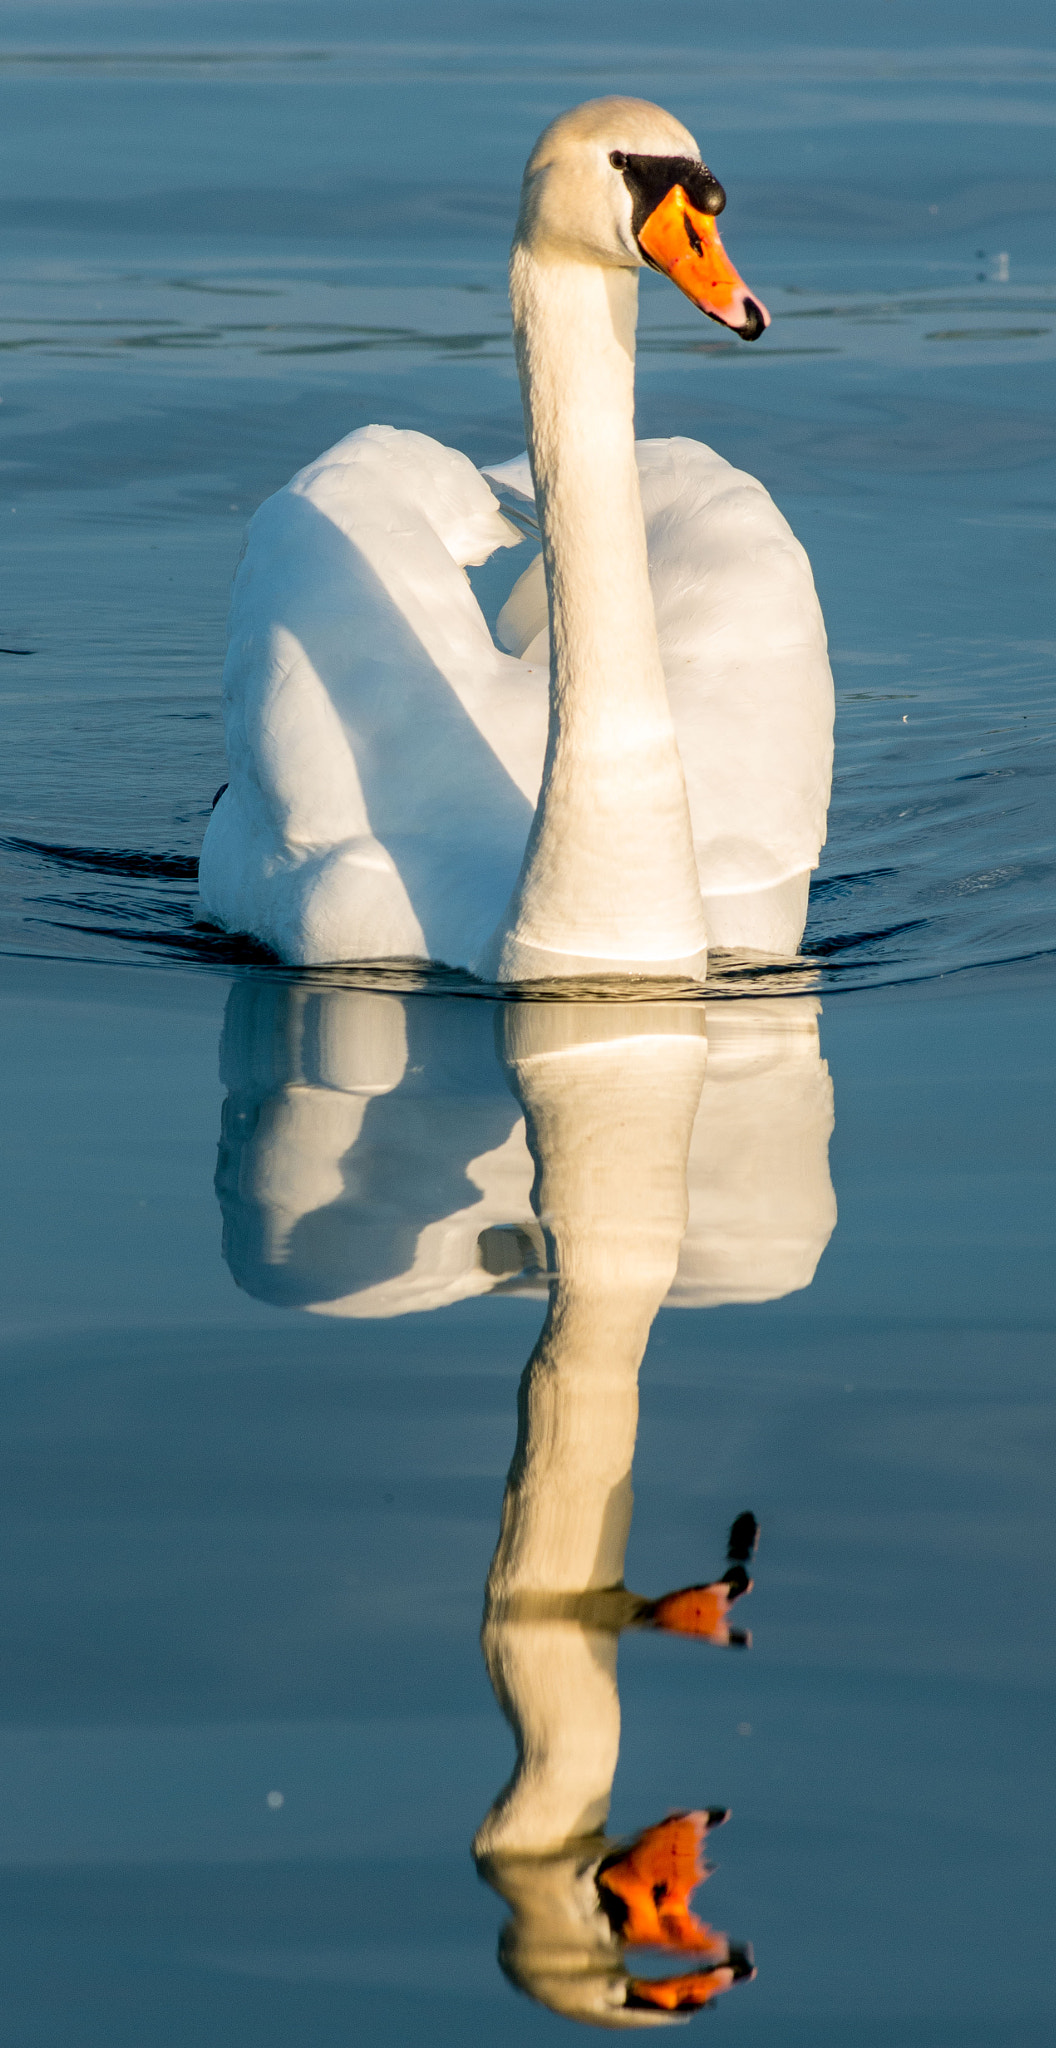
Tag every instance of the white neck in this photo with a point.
(609, 878)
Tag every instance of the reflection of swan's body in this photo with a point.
(367, 1145)
(373, 1162)
(401, 787)
(369, 1165)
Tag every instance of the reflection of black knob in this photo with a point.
(744, 1535)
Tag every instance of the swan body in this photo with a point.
(643, 766)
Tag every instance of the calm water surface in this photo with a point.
(280, 1250)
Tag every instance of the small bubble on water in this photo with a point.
(276, 1799)
(744, 1727)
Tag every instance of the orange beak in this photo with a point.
(685, 245)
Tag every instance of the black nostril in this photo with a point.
(753, 322)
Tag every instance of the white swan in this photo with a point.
(401, 787)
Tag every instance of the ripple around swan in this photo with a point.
(940, 853)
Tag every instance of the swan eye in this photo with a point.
(649, 179)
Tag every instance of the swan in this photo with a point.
(642, 767)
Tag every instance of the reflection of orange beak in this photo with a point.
(652, 1883)
(678, 1994)
(685, 245)
(703, 1611)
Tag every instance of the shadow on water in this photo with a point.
(381, 1157)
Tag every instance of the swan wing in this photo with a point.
(745, 655)
(385, 755)
(743, 645)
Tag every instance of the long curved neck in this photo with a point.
(609, 875)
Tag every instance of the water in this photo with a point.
(274, 1264)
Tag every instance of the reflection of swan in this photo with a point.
(365, 1147)
(402, 788)
(373, 1162)
(761, 1206)
(610, 1096)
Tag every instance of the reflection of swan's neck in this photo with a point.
(609, 872)
(609, 1125)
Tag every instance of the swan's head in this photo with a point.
(620, 183)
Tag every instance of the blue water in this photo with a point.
(265, 1311)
